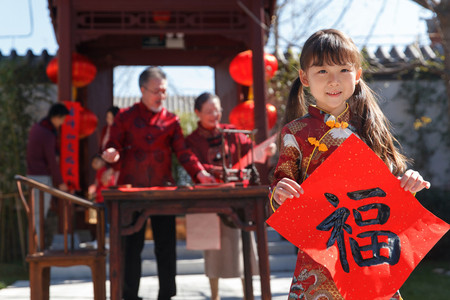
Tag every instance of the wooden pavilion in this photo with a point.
(163, 33)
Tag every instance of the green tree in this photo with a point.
(19, 89)
(441, 10)
(280, 85)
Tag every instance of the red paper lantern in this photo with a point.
(88, 122)
(242, 115)
(83, 70)
(241, 67)
(161, 17)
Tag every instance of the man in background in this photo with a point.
(142, 141)
(42, 155)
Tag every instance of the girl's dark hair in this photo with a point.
(200, 100)
(114, 110)
(333, 47)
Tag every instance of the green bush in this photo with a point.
(20, 87)
(11, 272)
(437, 202)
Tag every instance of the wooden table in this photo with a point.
(244, 205)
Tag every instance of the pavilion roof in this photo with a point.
(170, 32)
(383, 62)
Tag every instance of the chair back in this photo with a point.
(37, 244)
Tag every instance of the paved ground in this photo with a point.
(189, 287)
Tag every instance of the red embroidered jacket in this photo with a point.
(146, 141)
(207, 146)
(42, 153)
(308, 141)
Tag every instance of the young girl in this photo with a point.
(330, 66)
(104, 178)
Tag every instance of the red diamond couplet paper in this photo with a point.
(70, 146)
(356, 220)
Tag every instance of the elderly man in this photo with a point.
(142, 140)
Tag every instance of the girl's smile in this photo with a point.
(334, 93)
(331, 85)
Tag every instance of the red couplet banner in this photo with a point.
(356, 220)
(69, 146)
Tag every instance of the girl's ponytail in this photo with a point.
(374, 128)
(296, 105)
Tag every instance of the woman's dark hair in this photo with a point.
(200, 100)
(57, 110)
(114, 110)
(333, 47)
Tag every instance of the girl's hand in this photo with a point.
(287, 188)
(271, 150)
(91, 189)
(111, 155)
(412, 181)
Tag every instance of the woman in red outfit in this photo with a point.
(206, 143)
(143, 139)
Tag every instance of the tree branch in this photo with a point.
(428, 4)
(343, 12)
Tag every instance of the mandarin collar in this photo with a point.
(145, 108)
(207, 132)
(148, 112)
(47, 123)
(322, 115)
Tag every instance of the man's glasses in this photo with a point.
(156, 91)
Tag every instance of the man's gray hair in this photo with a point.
(149, 73)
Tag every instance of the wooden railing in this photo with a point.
(41, 259)
(67, 201)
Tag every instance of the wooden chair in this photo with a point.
(41, 259)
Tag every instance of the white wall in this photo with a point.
(396, 109)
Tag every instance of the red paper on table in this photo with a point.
(259, 154)
(145, 189)
(172, 188)
(354, 203)
(69, 162)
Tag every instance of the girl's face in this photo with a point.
(331, 85)
(109, 118)
(97, 163)
(210, 113)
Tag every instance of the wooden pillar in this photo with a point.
(259, 87)
(259, 81)
(99, 99)
(65, 50)
(225, 88)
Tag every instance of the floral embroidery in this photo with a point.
(339, 133)
(290, 141)
(302, 284)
